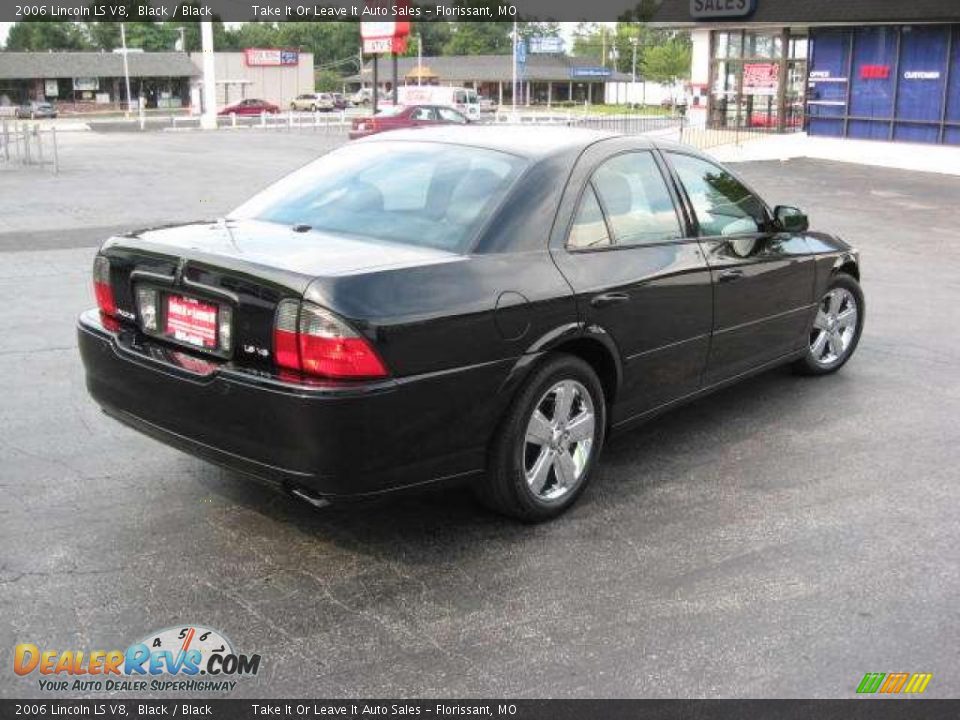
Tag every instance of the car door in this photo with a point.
(762, 278)
(637, 275)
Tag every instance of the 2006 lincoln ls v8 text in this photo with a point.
(465, 302)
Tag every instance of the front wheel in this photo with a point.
(547, 446)
(836, 328)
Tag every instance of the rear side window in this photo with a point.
(629, 190)
(722, 203)
(426, 194)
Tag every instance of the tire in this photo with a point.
(832, 339)
(559, 468)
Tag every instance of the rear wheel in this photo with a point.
(547, 446)
(836, 328)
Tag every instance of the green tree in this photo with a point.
(667, 62)
(39, 35)
(479, 38)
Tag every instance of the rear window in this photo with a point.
(426, 194)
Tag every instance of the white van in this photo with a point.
(463, 99)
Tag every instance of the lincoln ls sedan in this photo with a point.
(473, 304)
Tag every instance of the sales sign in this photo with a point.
(384, 36)
(721, 9)
(761, 78)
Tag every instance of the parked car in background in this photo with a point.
(405, 116)
(36, 109)
(340, 102)
(364, 96)
(475, 304)
(487, 105)
(250, 106)
(313, 102)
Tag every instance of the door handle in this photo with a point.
(730, 275)
(599, 301)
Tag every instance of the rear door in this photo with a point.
(762, 278)
(637, 276)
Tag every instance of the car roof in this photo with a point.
(533, 141)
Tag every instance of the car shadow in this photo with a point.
(413, 526)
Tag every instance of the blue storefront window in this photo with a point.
(951, 133)
(827, 82)
(923, 70)
(899, 78)
(873, 81)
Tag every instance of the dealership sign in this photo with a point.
(383, 37)
(721, 9)
(270, 57)
(589, 72)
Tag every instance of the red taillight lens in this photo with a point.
(319, 343)
(102, 287)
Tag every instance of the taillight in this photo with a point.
(315, 341)
(102, 287)
(285, 351)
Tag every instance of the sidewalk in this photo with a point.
(944, 159)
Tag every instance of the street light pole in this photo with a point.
(208, 121)
(126, 66)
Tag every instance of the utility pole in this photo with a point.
(513, 86)
(208, 121)
(126, 66)
(603, 45)
(419, 59)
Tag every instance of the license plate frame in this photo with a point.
(192, 322)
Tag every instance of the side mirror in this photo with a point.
(790, 219)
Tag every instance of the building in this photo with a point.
(83, 81)
(277, 75)
(881, 69)
(543, 79)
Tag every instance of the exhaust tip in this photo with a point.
(307, 496)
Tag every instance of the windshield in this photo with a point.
(426, 194)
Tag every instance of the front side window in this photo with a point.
(635, 199)
(722, 204)
(426, 194)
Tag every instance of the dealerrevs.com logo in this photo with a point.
(189, 658)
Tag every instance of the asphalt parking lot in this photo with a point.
(778, 539)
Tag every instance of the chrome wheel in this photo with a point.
(559, 440)
(834, 328)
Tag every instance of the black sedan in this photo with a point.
(471, 303)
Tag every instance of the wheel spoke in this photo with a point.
(563, 403)
(539, 431)
(538, 474)
(848, 318)
(818, 345)
(833, 304)
(581, 427)
(564, 469)
(836, 345)
(821, 321)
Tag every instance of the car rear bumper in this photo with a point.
(335, 440)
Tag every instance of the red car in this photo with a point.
(250, 106)
(406, 116)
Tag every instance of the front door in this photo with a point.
(762, 279)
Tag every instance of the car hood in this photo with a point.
(281, 247)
